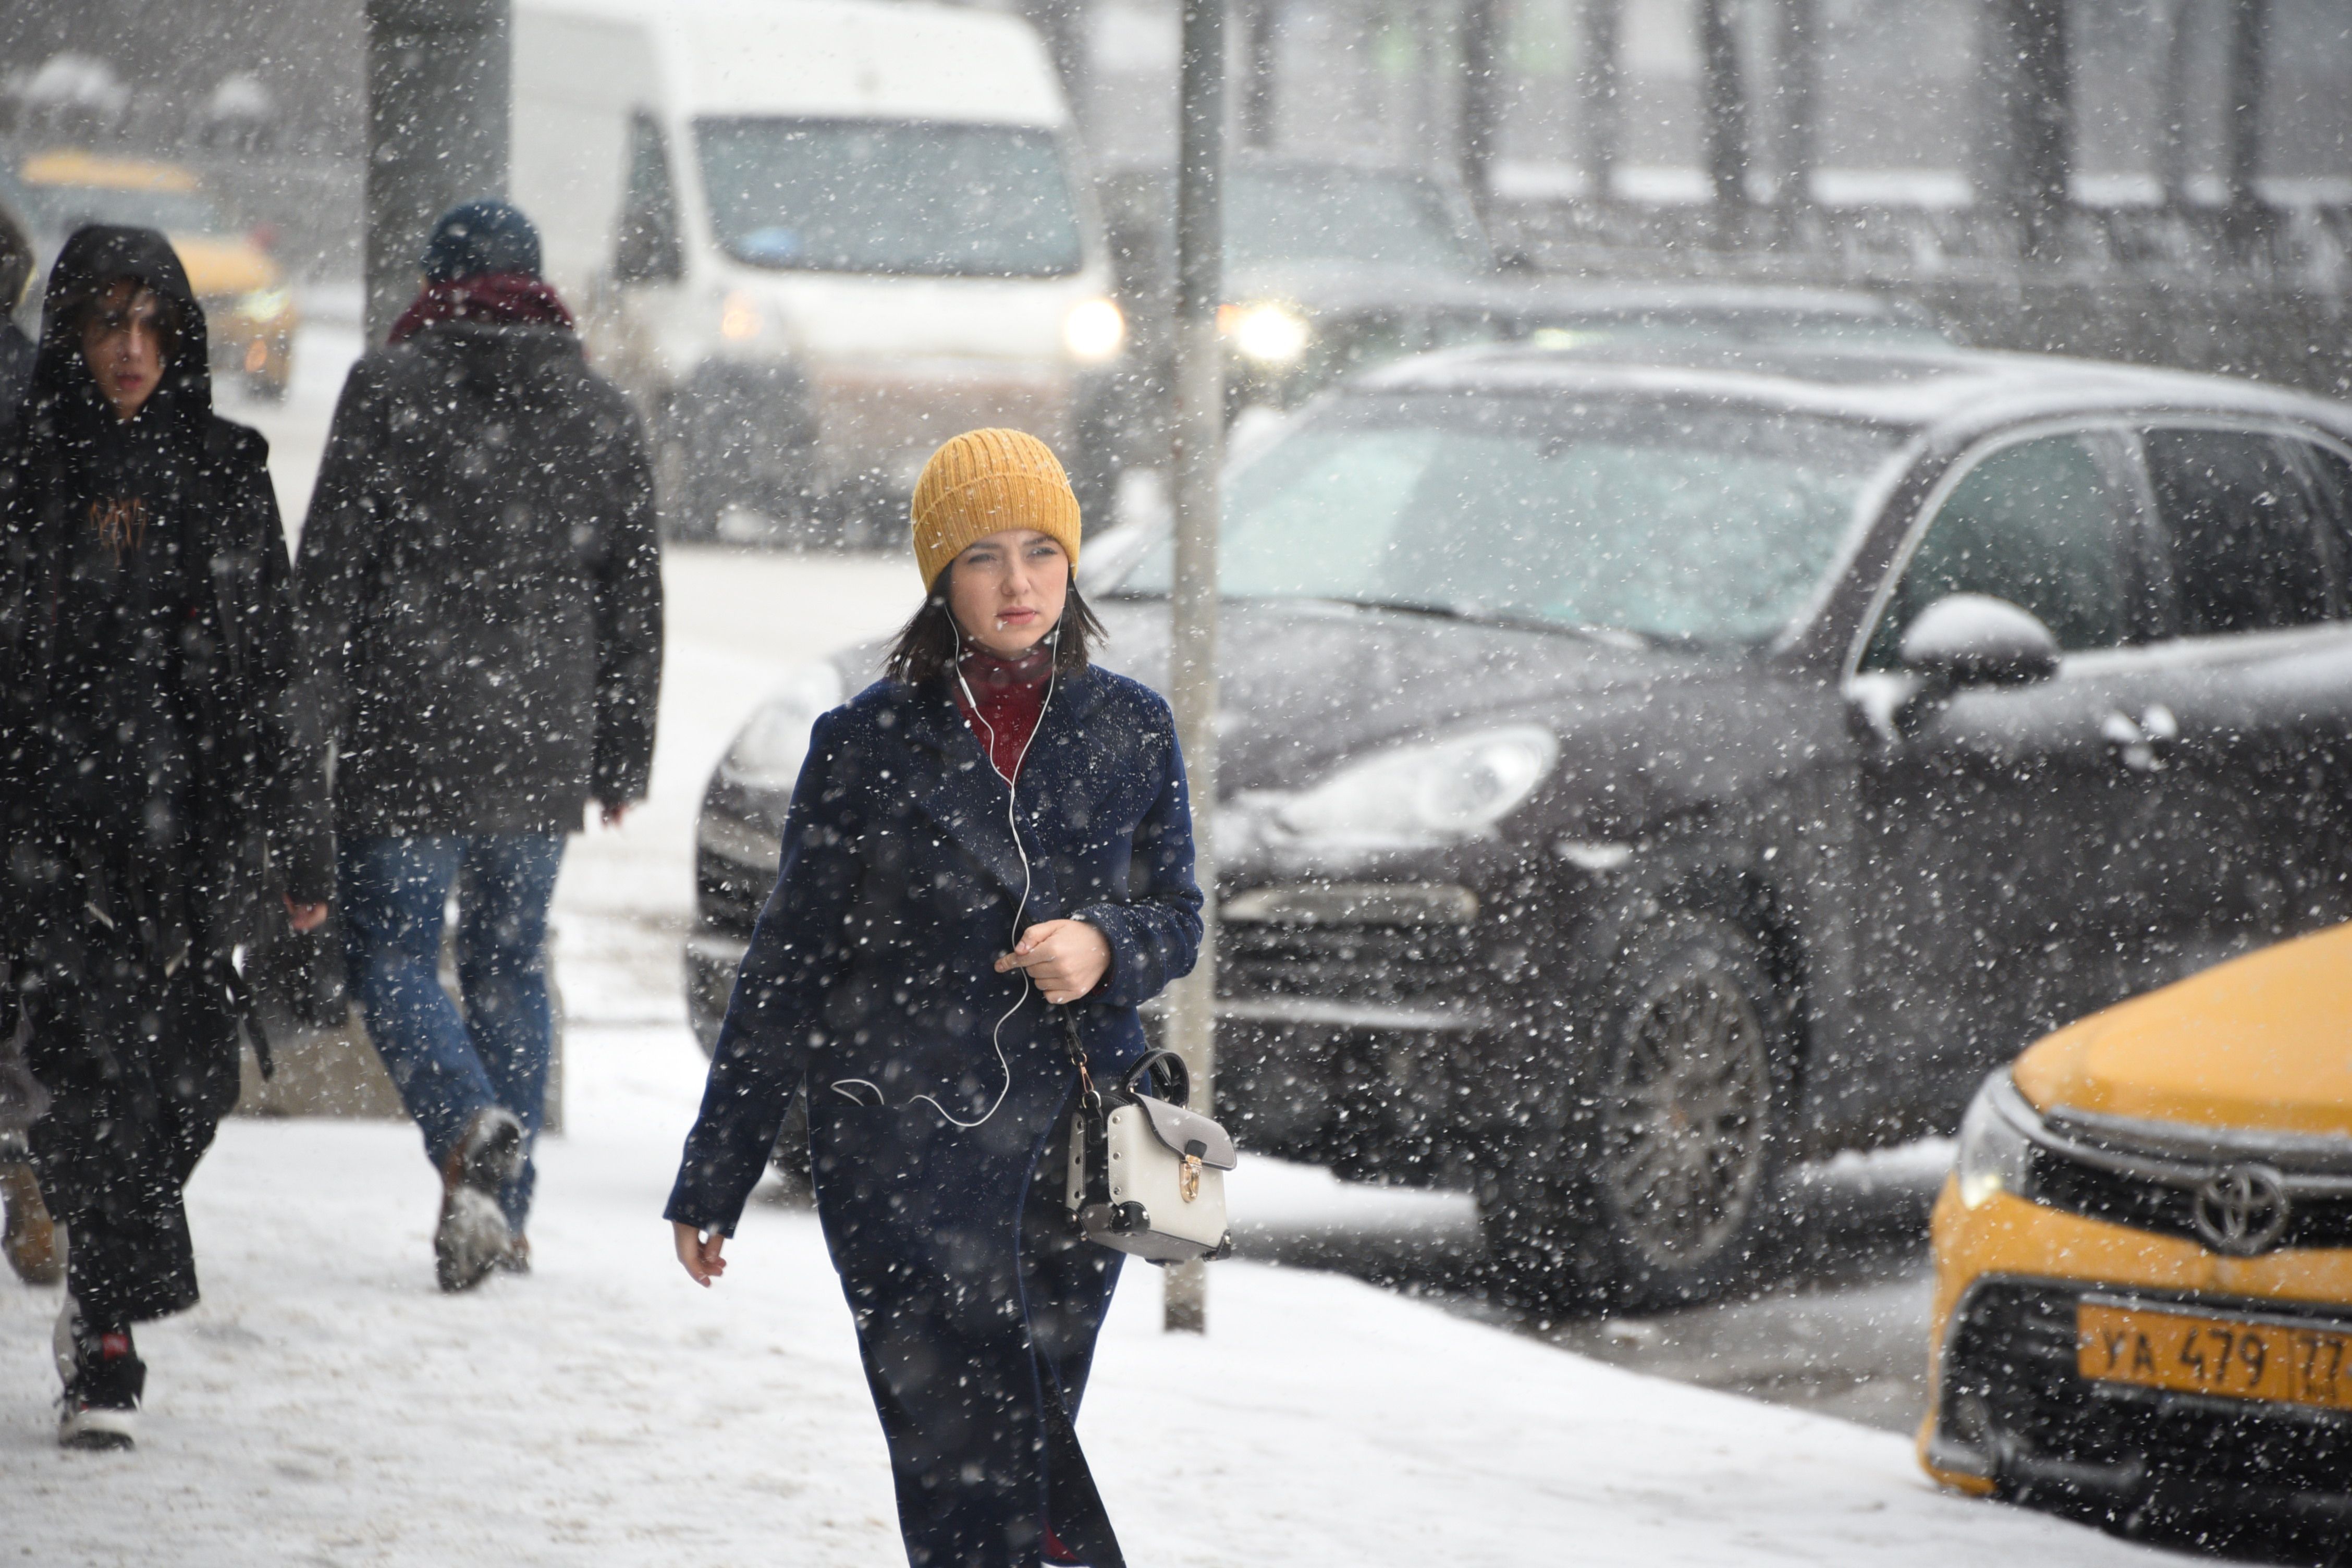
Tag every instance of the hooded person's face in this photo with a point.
(122, 343)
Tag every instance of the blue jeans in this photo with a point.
(449, 1068)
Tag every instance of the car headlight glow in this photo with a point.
(1093, 331)
(767, 755)
(1996, 1147)
(1267, 333)
(266, 305)
(1438, 793)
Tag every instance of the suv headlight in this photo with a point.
(1434, 793)
(1266, 333)
(1997, 1137)
(767, 755)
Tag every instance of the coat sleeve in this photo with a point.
(628, 618)
(1155, 935)
(337, 565)
(775, 1018)
(296, 815)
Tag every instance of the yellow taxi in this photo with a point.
(2144, 1254)
(249, 310)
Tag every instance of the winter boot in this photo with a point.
(473, 1236)
(516, 1258)
(104, 1379)
(28, 1237)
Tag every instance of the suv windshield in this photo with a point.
(1710, 525)
(1284, 216)
(63, 208)
(869, 195)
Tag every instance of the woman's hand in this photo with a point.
(1065, 959)
(699, 1251)
(305, 917)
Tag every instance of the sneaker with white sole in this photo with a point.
(104, 1381)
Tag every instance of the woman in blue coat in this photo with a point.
(996, 832)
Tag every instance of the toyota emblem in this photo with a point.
(2241, 1208)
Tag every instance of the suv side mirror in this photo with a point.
(1975, 639)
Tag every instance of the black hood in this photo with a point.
(93, 257)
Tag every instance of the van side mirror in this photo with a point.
(1975, 639)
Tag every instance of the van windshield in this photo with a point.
(869, 195)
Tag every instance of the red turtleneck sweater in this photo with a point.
(1007, 697)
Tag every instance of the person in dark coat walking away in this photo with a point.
(154, 758)
(997, 832)
(27, 1235)
(16, 348)
(481, 580)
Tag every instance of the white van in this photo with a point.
(814, 237)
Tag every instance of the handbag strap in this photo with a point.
(1136, 1081)
(1087, 1093)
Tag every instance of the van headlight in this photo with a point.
(1420, 795)
(767, 755)
(1094, 330)
(1997, 1138)
(1266, 334)
(740, 319)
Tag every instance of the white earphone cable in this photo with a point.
(1028, 880)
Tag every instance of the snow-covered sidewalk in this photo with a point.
(325, 1405)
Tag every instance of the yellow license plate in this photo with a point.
(2229, 1356)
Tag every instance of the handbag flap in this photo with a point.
(1189, 1132)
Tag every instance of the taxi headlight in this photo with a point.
(1438, 793)
(266, 305)
(1266, 334)
(767, 755)
(1995, 1145)
(1094, 330)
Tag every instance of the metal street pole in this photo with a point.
(437, 131)
(1199, 423)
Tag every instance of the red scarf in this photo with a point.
(1007, 698)
(515, 298)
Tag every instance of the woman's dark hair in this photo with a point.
(927, 645)
(170, 323)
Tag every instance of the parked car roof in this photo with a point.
(1928, 389)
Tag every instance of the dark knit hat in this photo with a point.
(481, 235)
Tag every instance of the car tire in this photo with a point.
(1647, 1175)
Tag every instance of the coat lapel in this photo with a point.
(964, 794)
(958, 791)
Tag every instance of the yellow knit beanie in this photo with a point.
(984, 481)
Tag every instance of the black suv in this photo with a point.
(1638, 773)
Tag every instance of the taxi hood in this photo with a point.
(2261, 1044)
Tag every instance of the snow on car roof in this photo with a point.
(1923, 388)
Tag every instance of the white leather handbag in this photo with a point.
(1147, 1175)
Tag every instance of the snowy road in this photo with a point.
(326, 1405)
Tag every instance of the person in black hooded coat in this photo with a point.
(155, 760)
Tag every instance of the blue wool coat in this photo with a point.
(869, 982)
